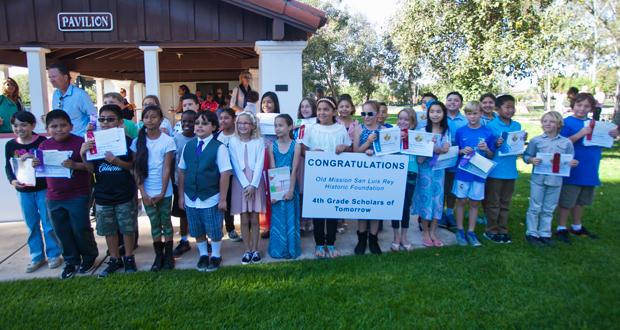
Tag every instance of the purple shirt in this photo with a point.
(79, 183)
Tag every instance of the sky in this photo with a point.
(378, 12)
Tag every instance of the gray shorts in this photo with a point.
(573, 195)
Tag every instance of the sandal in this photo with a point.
(406, 247)
(332, 252)
(428, 242)
(395, 247)
(437, 243)
(319, 251)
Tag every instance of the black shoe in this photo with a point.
(181, 248)
(495, 238)
(168, 256)
(68, 272)
(547, 241)
(562, 236)
(215, 264)
(113, 266)
(130, 264)
(583, 232)
(362, 240)
(203, 263)
(256, 258)
(373, 244)
(505, 238)
(159, 256)
(87, 265)
(533, 240)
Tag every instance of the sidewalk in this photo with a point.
(14, 255)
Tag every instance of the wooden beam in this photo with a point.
(170, 76)
(11, 57)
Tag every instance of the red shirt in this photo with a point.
(211, 106)
(79, 183)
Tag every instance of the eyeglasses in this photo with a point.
(107, 119)
(369, 114)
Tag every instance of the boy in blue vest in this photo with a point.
(203, 178)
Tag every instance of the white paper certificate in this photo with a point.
(112, 140)
(420, 143)
(546, 164)
(514, 143)
(55, 157)
(479, 166)
(266, 123)
(448, 159)
(305, 121)
(600, 134)
(24, 172)
(52, 164)
(279, 182)
(388, 141)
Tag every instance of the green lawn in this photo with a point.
(495, 286)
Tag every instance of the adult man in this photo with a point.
(72, 100)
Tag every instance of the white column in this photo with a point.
(39, 101)
(151, 68)
(99, 90)
(279, 63)
(4, 71)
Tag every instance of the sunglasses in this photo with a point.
(369, 114)
(107, 119)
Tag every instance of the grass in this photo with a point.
(495, 286)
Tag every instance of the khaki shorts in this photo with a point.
(573, 195)
(114, 218)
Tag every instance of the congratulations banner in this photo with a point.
(354, 186)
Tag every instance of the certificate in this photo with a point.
(305, 121)
(514, 143)
(55, 157)
(387, 142)
(24, 172)
(448, 159)
(279, 182)
(420, 143)
(51, 164)
(266, 123)
(478, 165)
(112, 140)
(547, 166)
(600, 134)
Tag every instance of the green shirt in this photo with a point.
(7, 109)
(131, 129)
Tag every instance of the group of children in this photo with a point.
(214, 166)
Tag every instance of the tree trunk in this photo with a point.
(616, 118)
(548, 93)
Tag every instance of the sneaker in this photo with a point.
(215, 264)
(547, 241)
(256, 259)
(35, 265)
(54, 263)
(233, 236)
(583, 232)
(562, 236)
(130, 264)
(495, 238)
(460, 238)
(87, 266)
(203, 263)
(181, 248)
(505, 238)
(68, 272)
(113, 266)
(533, 240)
(247, 258)
(473, 239)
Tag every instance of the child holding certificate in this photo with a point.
(114, 195)
(500, 183)
(284, 236)
(545, 189)
(364, 140)
(471, 139)
(327, 136)
(428, 196)
(578, 188)
(307, 109)
(67, 198)
(32, 197)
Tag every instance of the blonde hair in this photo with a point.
(556, 116)
(413, 119)
(256, 134)
(472, 106)
(244, 74)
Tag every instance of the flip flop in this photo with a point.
(319, 251)
(437, 243)
(428, 243)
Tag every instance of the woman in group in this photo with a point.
(238, 99)
(10, 103)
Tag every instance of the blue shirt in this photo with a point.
(506, 167)
(78, 105)
(470, 137)
(586, 173)
(484, 120)
(453, 125)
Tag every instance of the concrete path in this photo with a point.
(14, 255)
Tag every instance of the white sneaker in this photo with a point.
(54, 262)
(34, 266)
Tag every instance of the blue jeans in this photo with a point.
(72, 225)
(35, 215)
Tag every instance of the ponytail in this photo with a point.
(141, 167)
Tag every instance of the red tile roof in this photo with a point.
(291, 10)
